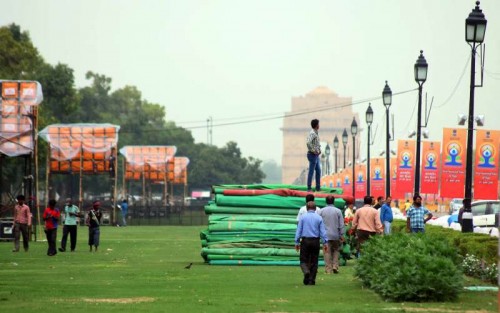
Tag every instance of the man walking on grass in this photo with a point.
(310, 231)
(334, 224)
(366, 222)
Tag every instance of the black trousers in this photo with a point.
(309, 254)
(71, 230)
(21, 229)
(51, 239)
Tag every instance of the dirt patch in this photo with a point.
(279, 300)
(119, 300)
(406, 309)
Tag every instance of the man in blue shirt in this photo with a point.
(416, 216)
(309, 232)
(124, 208)
(386, 215)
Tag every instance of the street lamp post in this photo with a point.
(369, 121)
(327, 152)
(336, 147)
(344, 141)
(475, 28)
(420, 67)
(354, 131)
(387, 99)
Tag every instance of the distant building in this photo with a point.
(334, 113)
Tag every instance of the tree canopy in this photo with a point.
(141, 122)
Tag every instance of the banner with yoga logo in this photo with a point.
(405, 166)
(431, 160)
(453, 164)
(486, 165)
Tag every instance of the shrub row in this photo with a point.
(482, 246)
(420, 267)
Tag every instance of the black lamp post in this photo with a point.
(420, 77)
(336, 147)
(369, 121)
(475, 28)
(344, 141)
(354, 131)
(387, 99)
(327, 152)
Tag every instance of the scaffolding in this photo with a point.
(82, 149)
(18, 126)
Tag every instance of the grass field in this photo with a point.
(141, 269)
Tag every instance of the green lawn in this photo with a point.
(141, 269)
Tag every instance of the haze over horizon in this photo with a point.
(242, 62)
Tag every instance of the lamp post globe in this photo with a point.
(354, 131)
(420, 71)
(369, 121)
(344, 141)
(475, 26)
(336, 147)
(387, 100)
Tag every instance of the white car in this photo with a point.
(485, 213)
(455, 205)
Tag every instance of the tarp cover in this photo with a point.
(18, 103)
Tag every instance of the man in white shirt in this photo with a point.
(303, 210)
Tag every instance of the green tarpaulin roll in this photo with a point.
(251, 262)
(217, 209)
(271, 201)
(246, 226)
(217, 189)
(252, 218)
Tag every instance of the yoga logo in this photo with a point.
(405, 159)
(378, 173)
(453, 154)
(430, 160)
(487, 153)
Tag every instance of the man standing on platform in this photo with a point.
(310, 231)
(334, 224)
(313, 152)
(71, 212)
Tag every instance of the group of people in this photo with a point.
(326, 226)
(51, 217)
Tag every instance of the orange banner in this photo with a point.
(453, 164)
(431, 161)
(394, 180)
(346, 176)
(486, 165)
(406, 166)
(377, 177)
(360, 186)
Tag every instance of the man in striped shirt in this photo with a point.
(313, 152)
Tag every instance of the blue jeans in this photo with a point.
(314, 165)
(387, 228)
(418, 230)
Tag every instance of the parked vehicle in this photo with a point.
(486, 213)
(455, 205)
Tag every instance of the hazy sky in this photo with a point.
(243, 60)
